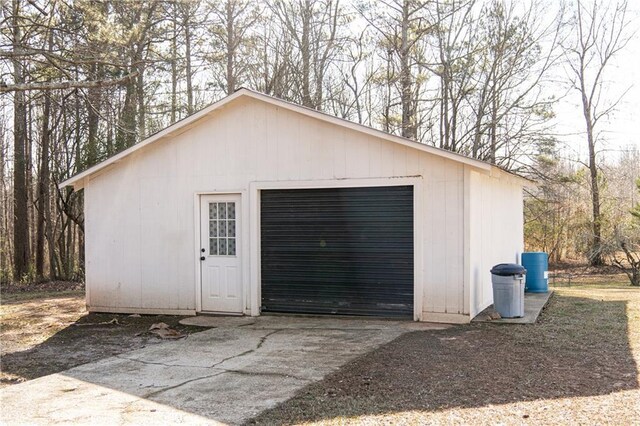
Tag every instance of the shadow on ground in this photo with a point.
(92, 337)
(579, 347)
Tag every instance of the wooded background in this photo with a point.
(81, 80)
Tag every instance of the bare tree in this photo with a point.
(624, 253)
(20, 189)
(312, 25)
(511, 110)
(6, 204)
(187, 11)
(83, 80)
(273, 50)
(454, 67)
(402, 27)
(350, 104)
(601, 32)
(230, 34)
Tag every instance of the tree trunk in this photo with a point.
(444, 92)
(305, 51)
(602, 32)
(494, 124)
(174, 64)
(43, 189)
(408, 125)
(187, 42)
(93, 119)
(20, 193)
(231, 48)
(595, 256)
(81, 256)
(142, 111)
(5, 248)
(127, 123)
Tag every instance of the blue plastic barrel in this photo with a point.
(537, 265)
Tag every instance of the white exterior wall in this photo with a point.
(495, 232)
(141, 247)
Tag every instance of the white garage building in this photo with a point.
(258, 205)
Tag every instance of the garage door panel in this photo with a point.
(338, 250)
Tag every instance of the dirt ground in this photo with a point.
(577, 365)
(45, 329)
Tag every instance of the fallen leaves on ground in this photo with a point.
(163, 331)
(114, 321)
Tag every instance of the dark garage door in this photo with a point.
(345, 251)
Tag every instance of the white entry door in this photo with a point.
(220, 253)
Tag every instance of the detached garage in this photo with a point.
(257, 205)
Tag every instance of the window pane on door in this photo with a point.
(222, 229)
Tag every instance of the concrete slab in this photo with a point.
(227, 374)
(217, 321)
(534, 303)
(307, 322)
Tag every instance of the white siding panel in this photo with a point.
(258, 139)
(454, 250)
(339, 159)
(357, 153)
(141, 222)
(321, 148)
(375, 154)
(159, 238)
(429, 208)
(184, 255)
(288, 148)
(438, 222)
(386, 152)
(412, 162)
(399, 160)
(496, 233)
(271, 172)
(443, 236)
(113, 240)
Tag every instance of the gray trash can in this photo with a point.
(508, 281)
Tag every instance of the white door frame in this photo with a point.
(254, 228)
(244, 245)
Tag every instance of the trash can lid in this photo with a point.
(506, 269)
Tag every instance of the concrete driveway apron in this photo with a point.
(227, 374)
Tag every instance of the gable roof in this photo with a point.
(185, 124)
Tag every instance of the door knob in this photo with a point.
(202, 258)
(202, 250)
